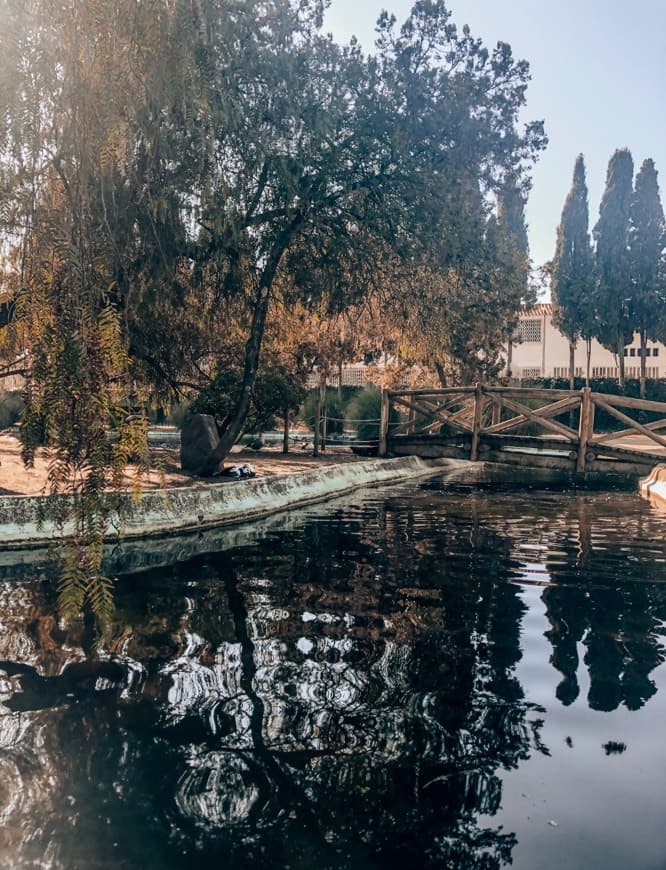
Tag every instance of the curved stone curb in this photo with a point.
(33, 521)
(654, 485)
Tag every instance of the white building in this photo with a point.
(543, 352)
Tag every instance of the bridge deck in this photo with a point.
(530, 427)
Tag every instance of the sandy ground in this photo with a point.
(16, 479)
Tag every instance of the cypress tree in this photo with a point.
(511, 218)
(646, 241)
(572, 271)
(511, 228)
(614, 327)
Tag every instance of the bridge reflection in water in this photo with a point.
(352, 693)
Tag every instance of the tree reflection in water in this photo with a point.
(340, 696)
(596, 601)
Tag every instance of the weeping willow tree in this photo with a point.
(67, 92)
(167, 165)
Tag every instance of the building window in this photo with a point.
(632, 351)
(531, 374)
(655, 351)
(626, 351)
(530, 330)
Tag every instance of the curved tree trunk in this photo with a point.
(234, 423)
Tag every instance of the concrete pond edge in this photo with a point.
(172, 525)
(28, 522)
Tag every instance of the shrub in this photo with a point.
(334, 411)
(11, 409)
(176, 416)
(363, 414)
(655, 392)
(276, 392)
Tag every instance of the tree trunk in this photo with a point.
(322, 405)
(340, 380)
(317, 424)
(572, 364)
(285, 432)
(588, 352)
(440, 374)
(509, 359)
(236, 420)
(642, 352)
(620, 359)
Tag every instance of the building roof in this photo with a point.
(538, 310)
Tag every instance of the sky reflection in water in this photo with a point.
(427, 678)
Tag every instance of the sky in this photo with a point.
(598, 74)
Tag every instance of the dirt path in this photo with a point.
(16, 479)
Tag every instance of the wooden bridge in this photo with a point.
(579, 431)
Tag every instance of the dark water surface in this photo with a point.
(423, 678)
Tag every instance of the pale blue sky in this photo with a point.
(598, 78)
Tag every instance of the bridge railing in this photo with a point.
(478, 420)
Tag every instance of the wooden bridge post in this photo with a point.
(585, 427)
(384, 424)
(411, 422)
(476, 426)
(317, 425)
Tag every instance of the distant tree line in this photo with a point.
(615, 285)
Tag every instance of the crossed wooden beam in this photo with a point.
(457, 421)
(462, 410)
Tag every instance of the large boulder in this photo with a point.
(198, 439)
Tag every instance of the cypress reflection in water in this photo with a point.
(345, 694)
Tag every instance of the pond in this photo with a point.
(423, 676)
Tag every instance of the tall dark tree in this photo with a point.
(646, 241)
(512, 228)
(614, 327)
(572, 271)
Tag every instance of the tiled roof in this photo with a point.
(538, 310)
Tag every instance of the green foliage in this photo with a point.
(647, 241)
(177, 414)
(77, 391)
(219, 396)
(275, 392)
(608, 386)
(335, 411)
(614, 327)
(363, 414)
(12, 407)
(572, 269)
(655, 392)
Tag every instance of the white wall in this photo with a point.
(549, 357)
